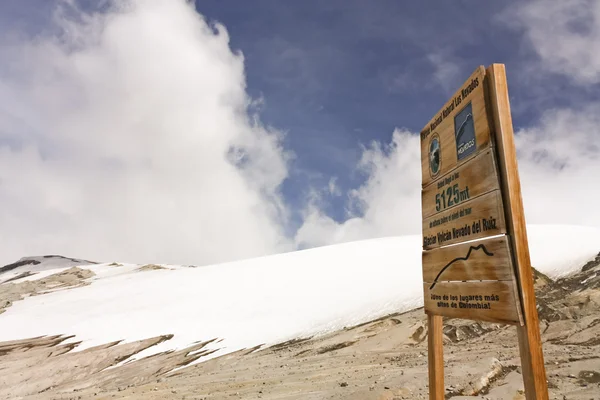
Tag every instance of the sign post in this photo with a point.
(476, 261)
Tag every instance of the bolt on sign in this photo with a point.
(476, 262)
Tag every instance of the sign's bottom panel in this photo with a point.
(492, 301)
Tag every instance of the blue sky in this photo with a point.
(338, 74)
(118, 122)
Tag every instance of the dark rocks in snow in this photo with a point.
(23, 275)
(592, 264)
(39, 260)
(18, 264)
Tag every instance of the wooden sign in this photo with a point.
(475, 253)
(462, 201)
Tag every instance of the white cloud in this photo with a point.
(445, 72)
(560, 156)
(387, 204)
(564, 34)
(333, 188)
(118, 137)
(559, 163)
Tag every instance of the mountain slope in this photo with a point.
(384, 359)
(247, 303)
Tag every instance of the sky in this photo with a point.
(194, 133)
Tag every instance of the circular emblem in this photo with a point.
(435, 155)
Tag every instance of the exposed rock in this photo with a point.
(460, 330)
(589, 377)
(18, 264)
(334, 347)
(592, 264)
(36, 261)
(150, 267)
(23, 275)
(67, 279)
(419, 332)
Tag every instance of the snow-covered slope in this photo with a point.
(559, 250)
(263, 300)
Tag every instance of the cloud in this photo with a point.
(559, 164)
(387, 204)
(445, 71)
(333, 188)
(563, 34)
(559, 155)
(126, 135)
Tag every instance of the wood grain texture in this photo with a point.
(532, 358)
(443, 126)
(465, 222)
(487, 259)
(501, 309)
(472, 179)
(435, 357)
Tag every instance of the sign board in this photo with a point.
(475, 253)
(462, 201)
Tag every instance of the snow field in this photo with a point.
(265, 300)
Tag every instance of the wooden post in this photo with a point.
(530, 346)
(435, 357)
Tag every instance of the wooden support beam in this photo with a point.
(530, 345)
(435, 357)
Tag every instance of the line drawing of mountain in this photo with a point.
(471, 249)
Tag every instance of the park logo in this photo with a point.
(435, 155)
(464, 132)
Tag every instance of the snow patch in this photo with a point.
(560, 250)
